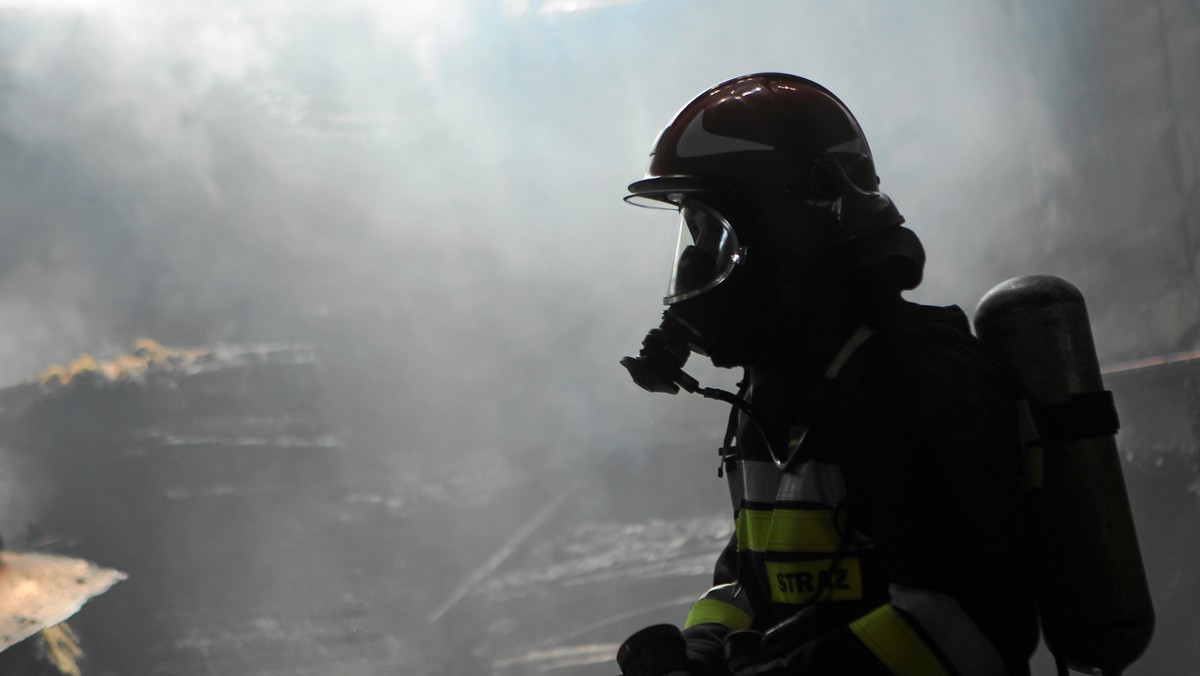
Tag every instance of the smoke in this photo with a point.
(450, 173)
(429, 192)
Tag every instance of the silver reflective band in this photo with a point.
(696, 141)
(959, 639)
(813, 481)
(760, 480)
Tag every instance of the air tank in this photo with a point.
(1093, 596)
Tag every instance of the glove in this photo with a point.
(751, 653)
(777, 666)
(658, 650)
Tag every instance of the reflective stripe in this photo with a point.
(819, 482)
(787, 530)
(897, 645)
(958, 637)
(1026, 427)
(856, 340)
(751, 526)
(724, 605)
(1032, 474)
(711, 611)
(799, 581)
(813, 481)
(733, 478)
(760, 480)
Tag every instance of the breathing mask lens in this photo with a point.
(705, 253)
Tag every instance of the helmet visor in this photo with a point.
(705, 253)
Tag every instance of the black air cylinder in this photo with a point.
(1094, 601)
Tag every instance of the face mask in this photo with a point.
(711, 309)
(725, 324)
(730, 324)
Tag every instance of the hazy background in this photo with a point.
(427, 192)
(438, 184)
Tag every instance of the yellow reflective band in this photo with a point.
(711, 611)
(1032, 470)
(896, 644)
(752, 526)
(797, 581)
(787, 530)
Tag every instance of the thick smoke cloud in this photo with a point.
(450, 172)
(429, 192)
(360, 176)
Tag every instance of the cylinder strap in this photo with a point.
(1083, 416)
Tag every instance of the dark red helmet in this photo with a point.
(794, 156)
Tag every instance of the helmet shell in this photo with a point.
(794, 153)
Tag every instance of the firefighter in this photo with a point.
(872, 456)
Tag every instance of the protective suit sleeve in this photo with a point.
(917, 633)
(722, 609)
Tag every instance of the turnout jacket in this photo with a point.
(884, 493)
